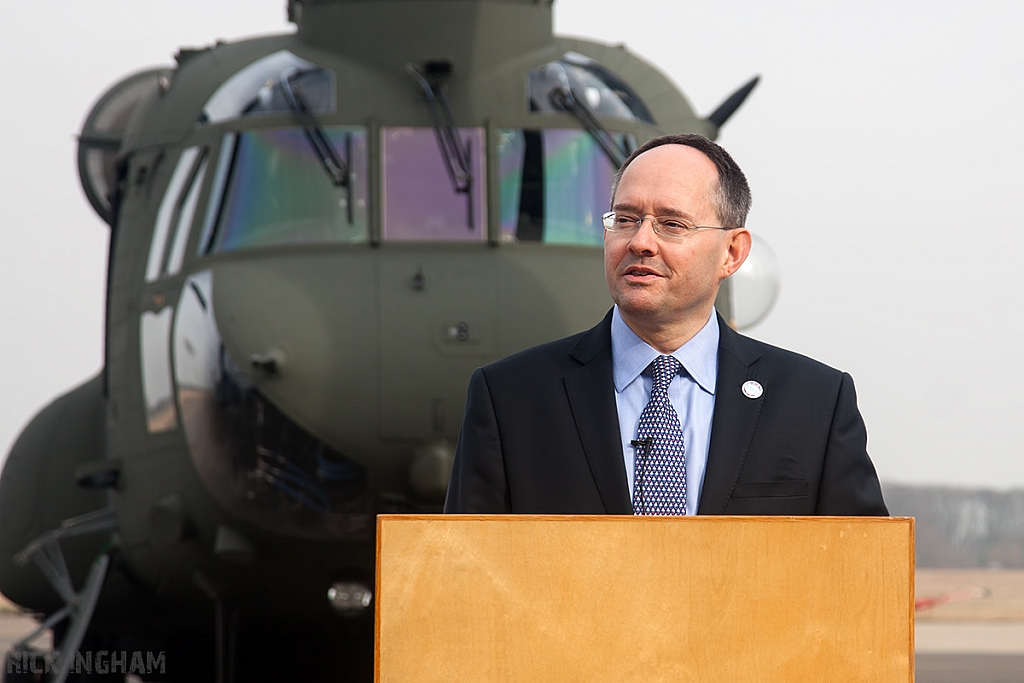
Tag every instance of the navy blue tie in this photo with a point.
(659, 468)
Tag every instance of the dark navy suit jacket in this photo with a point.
(541, 435)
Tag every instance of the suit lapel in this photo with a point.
(592, 399)
(733, 424)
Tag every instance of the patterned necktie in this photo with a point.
(659, 469)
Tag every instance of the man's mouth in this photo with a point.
(640, 274)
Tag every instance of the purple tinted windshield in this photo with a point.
(420, 200)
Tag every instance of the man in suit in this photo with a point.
(662, 408)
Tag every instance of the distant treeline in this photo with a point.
(962, 528)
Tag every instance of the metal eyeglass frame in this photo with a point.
(608, 220)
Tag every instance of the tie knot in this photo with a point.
(665, 368)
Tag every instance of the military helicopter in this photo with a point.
(315, 238)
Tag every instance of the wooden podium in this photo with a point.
(533, 599)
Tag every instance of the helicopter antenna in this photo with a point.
(456, 155)
(337, 170)
(729, 107)
(565, 99)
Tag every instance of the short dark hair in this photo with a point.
(732, 198)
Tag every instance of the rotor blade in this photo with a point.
(729, 107)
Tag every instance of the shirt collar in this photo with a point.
(631, 355)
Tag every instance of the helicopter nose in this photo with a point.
(302, 376)
(357, 349)
(284, 337)
(258, 370)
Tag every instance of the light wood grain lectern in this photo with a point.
(523, 599)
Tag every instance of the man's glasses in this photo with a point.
(671, 227)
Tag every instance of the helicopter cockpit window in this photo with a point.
(603, 92)
(423, 201)
(257, 89)
(186, 178)
(271, 188)
(554, 185)
(155, 352)
(185, 217)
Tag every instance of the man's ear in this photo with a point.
(737, 250)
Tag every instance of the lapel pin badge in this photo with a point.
(752, 389)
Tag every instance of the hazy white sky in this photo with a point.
(884, 147)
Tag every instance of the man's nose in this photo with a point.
(644, 241)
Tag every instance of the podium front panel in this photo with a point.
(530, 599)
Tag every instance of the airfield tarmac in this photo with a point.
(979, 640)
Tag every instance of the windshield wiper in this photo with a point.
(563, 97)
(456, 155)
(337, 170)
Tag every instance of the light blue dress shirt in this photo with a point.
(692, 393)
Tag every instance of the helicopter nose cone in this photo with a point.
(259, 360)
(302, 376)
(283, 340)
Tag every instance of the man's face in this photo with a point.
(658, 283)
